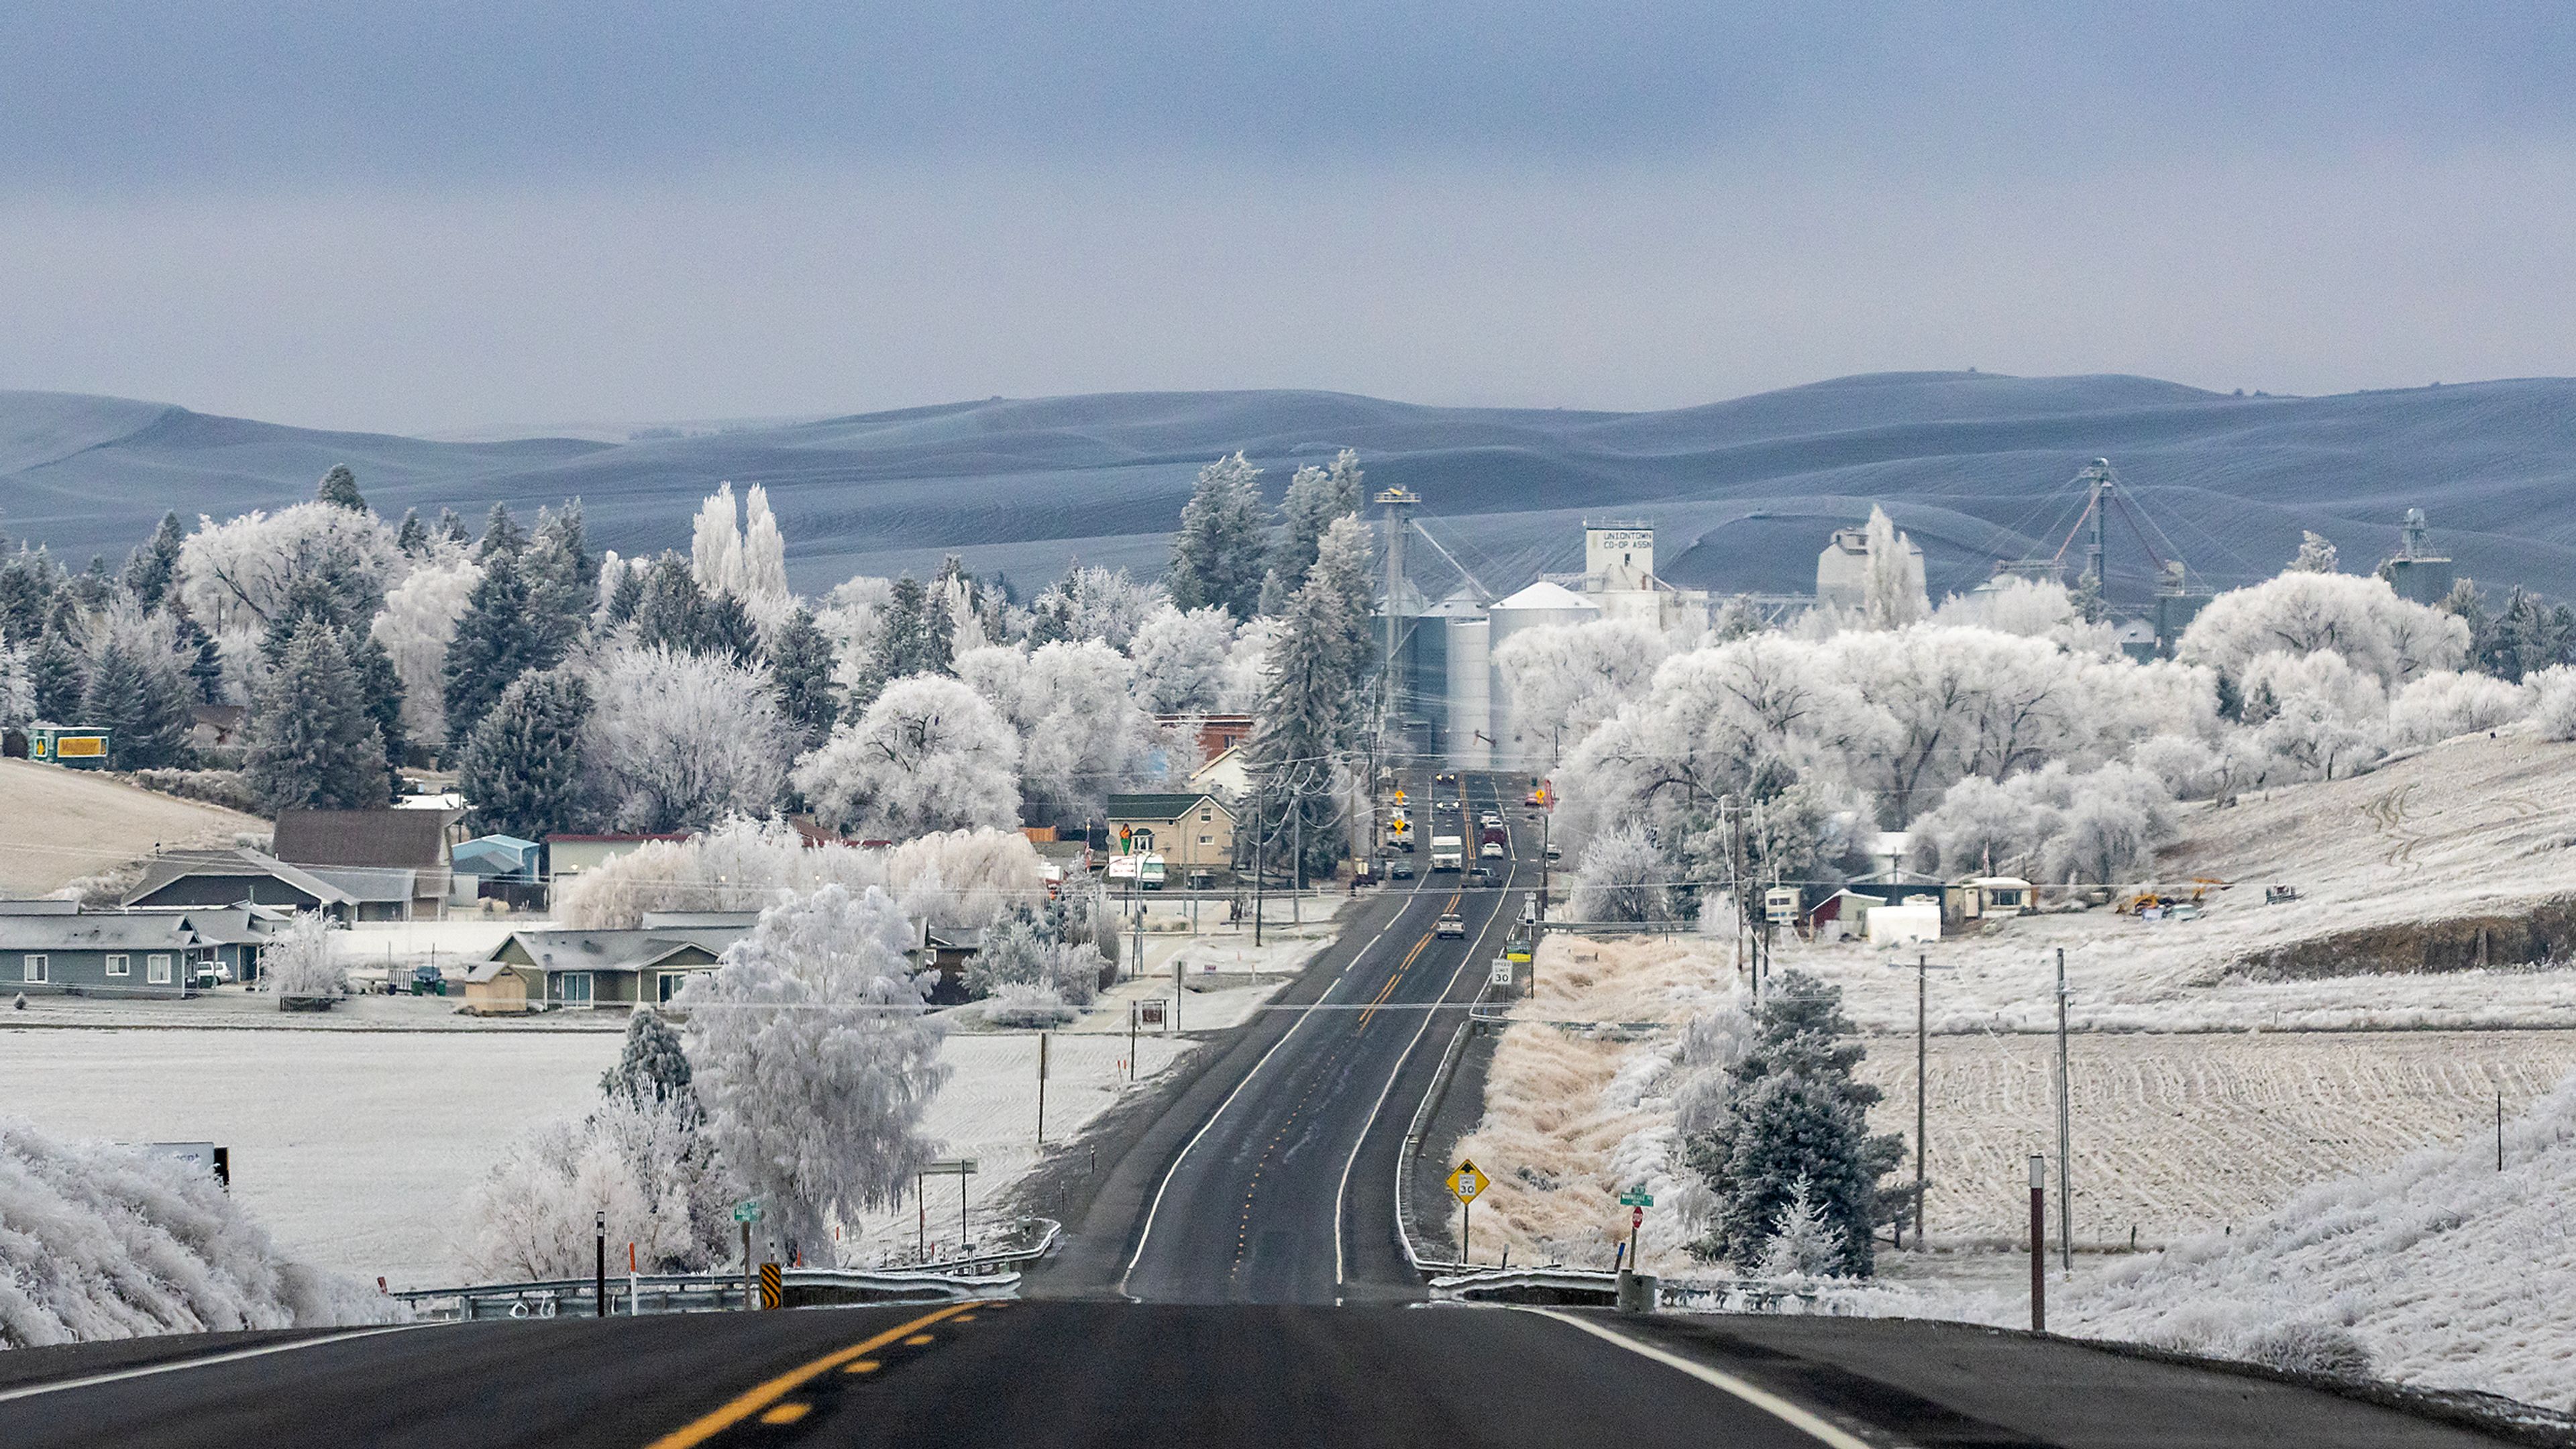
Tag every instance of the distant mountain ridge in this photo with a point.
(1742, 492)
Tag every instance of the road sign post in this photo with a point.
(1467, 1184)
(746, 1213)
(1636, 1200)
(2038, 1244)
(773, 1293)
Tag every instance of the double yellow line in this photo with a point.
(1397, 976)
(754, 1400)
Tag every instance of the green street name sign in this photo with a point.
(1636, 1197)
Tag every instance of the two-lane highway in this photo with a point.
(1284, 1193)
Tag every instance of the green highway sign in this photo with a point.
(1636, 1197)
(746, 1212)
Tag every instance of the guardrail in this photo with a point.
(1556, 1283)
(1412, 1149)
(1047, 1231)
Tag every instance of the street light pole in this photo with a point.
(2065, 1134)
(599, 1274)
(1922, 1114)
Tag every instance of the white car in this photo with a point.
(1489, 851)
(1450, 928)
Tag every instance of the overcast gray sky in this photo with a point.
(423, 216)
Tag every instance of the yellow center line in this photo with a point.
(1389, 988)
(754, 1400)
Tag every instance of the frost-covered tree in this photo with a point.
(313, 743)
(1795, 1111)
(154, 563)
(501, 535)
(968, 878)
(1316, 496)
(339, 488)
(1181, 658)
(911, 637)
(242, 573)
(1561, 681)
(1092, 603)
(2316, 555)
(929, 754)
(2524, 637)
(1803, 1242)
(1892, 591)
(1221, 551)
(562, 576)
(1310, 705)
(682, 741)
(418, 621)
(412, 535)
(743, 556)
(496, 640)
(144, 703)
(816, 1058)
(1623, 876)
(298, 963)
(1020, 951)
(17, 685)
(1081, 734)
(715, 543)
(800, 680)
(2362, 619)
(107, 1241)
(2553, 702)
(2445, 703)
(652, 1066)
(641, 1163)
(526, 770)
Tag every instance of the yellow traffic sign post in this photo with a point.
(1466, 1184)
(771, 1292)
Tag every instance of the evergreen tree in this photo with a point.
(1219, 556)
(203, 660)
(27, 584)
(1309, 704)
(309, 604)
(452, 528)
(313, 744)
(563, 577)
(670, 608)
(412, 537)
(496, 642)
(60, 681)
(2524, 638)
(149, 568)
(1315, 498)
(523, 770)
(626, 596)
(726, 630)
(501, 535)
(382, 688)
(652, 1067)
(1795, 1112)
(800, 671)
(912, 637)
(94, 587)
(339, 488)
(145, 706)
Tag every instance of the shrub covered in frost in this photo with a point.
(1019, 952)
(2308, 1348)
(1623, 878)
(298, 963)
(2445, 704)
(102, 1241)
(2553, 709)
(1029, 1006)
(640, 1160)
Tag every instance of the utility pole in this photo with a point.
(2038, 1243)
(1259, 839)
(599, 1272)
(2065, 1135)
(2499, 1129)
(1922, 1099)
(1042, 1075)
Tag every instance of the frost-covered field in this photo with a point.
(2472, 827)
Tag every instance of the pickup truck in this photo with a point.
(1450, 928)
(1448, 852)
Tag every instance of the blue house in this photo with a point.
(107, 953)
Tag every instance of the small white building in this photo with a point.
(1911, 924)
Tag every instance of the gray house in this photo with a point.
(533, 970)
(234, 935)
(251, 877)
(102, 954)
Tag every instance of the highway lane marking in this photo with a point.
(234, 1356)
(752, 1401)
(1342, 1192)
(1147, 1233)
(1768, 1402)
(786, 1413)
(1389, 989)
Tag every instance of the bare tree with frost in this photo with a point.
(1081, 734)
(684, 740)
(816, 1058)
(929, 754)
(1181, 659)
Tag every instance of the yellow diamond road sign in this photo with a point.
(1467, 1183)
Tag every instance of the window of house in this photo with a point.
(120, 965)
(35, 967)
(668, 985)
(157, 965)
(1207, 840)
(572, 988)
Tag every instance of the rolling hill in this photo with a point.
(1975, 465)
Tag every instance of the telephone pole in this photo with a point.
(2065, 1135)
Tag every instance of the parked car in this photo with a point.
(1450, 928)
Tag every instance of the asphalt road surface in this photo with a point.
(1285, 1194)
(1126, 1375)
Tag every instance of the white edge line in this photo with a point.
(1770, 1403)
(1168, 1173)
(1342, 1192)
(209, 1360)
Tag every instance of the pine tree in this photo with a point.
(1309, 705)
(1316, 496)
(495, 643)
(800, 671)
(313, 744)
(452, 528)
(652, 1067)
(204, 661)
(726, 630)
(1219, 556)
(60, 679)
(625, 596)
(382, 688)
(1804, 1244)
(670, 608)
(339, 488)
(501, 535)
(27, 584)
(912, 637)
(562, 575)
(412, 536)
(523, 771)
(149, 568)
(1796, 1111)
(145, 708)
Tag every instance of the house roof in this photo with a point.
(397, 839)
(1544, 595)
(96, 931)
(182, 864)
(1168, 806)
(41, 906)
(561, 836)
(229, 925)
(612, 950)
(368, 886)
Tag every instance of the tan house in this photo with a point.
(570, 855)
(538, 970)
(1192, 831)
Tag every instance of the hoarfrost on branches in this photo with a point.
(1623, 877)
(929, 754)
(1081, 735)
(418, 621)
(816, 1060)
(639, 1161)
(683, 740)
(298, 962)
(1181, 660)
(2391, 639)
(958, 878)
(2446, 703)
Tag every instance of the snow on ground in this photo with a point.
(355, 1133)
(2470, 828)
